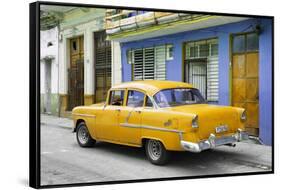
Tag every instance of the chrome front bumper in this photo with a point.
(214, 141)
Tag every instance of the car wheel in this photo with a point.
(83, 137)
(156, 152)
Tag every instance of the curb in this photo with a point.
(57, 125)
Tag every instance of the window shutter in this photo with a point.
(138, 64)
(160, 64)
(148, 63)
(213, 78)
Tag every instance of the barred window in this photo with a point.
(202, 68)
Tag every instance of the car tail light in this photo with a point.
(243, 116)
(195, 122)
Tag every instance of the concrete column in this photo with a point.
(63, 65)
(88, 63)
(116, 63)
(63, 59)
(89, 79)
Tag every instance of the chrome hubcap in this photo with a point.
(83, 135)
(154, 149)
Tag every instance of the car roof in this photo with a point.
(152, 86)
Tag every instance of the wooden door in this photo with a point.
(76, 73)
(102, 66)
(245, 84)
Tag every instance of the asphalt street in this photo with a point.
(63, 161)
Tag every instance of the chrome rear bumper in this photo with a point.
(214, 141)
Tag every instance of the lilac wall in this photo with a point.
(265, 81)
(223, 32)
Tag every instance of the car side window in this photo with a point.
(116, 97)
(148, 102)
(135, 98)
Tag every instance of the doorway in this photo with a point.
(48, 93)
(102, 66)
(76, 73)
(245, 78)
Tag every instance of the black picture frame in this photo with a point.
(34, 98)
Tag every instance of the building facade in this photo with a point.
(78, 34)
(228, 58)
(49, 71)
(84, 51)
(82, 57)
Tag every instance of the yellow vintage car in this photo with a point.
(162, 116)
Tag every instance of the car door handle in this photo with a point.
(118, 110)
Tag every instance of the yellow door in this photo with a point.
(108, 125)
(130, 117)
(130, 122)
(245, 85)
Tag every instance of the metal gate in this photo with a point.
(202, 67)
(76, 81)
(102, 65)
(197, 75)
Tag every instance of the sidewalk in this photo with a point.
(56, 121)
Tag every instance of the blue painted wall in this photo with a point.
(265, 81)
(223, 32)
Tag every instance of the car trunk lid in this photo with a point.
(218, 120)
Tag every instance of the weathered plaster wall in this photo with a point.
(79, 23)
(49, 55)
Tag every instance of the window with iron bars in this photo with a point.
(202, 68)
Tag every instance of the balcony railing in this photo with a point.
(124, 20)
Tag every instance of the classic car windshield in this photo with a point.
(178, 97)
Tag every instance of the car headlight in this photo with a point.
(195, 122)
(243, 116)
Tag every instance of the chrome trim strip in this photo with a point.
(150, 127)
(84, 115)
(162, 129)
(130, 125)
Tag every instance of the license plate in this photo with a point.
(221, 128)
